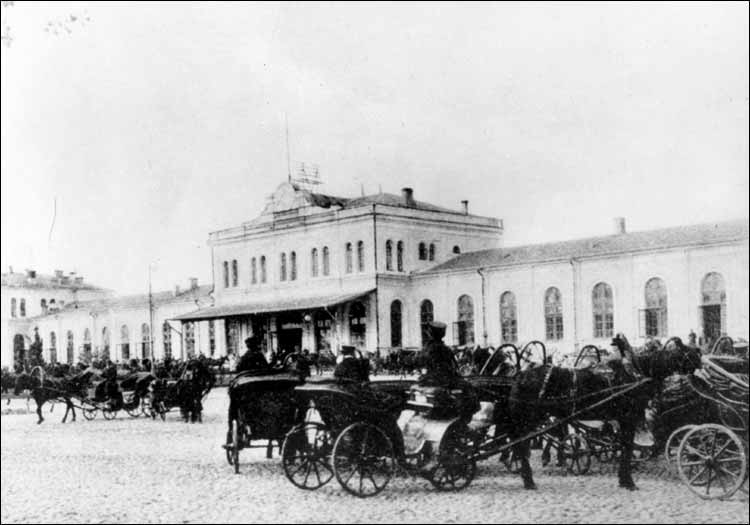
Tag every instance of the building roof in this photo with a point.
(665, 238)
(42, 281)
(136, 301)
(388, 199)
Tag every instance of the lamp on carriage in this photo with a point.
(307, 318)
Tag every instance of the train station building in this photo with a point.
(317, 271)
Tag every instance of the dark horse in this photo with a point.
(553, 391)
(45, 389)
(196, 380)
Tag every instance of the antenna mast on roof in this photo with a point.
(308, 176)
(288, 161)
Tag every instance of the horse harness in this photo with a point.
(573, 387)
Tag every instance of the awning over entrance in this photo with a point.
(281, 305)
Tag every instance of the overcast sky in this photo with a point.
(153, 125)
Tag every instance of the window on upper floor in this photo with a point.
(348, 256)
(422, 251)
(432, 252)
(314, 262)
(263, 268)
(43, 304)
(361, 256)
(326, 261)
(22, 308)
(282, 268)
(211, 337)
(400, 256)
(235, 273)
(226, 274)
(457, 249)
(293, 266)
(253, 271)
(13, 307)
(389, 255)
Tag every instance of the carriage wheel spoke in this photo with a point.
(720, 478)
(354, 471)
(708, 483)
(723, 448)
(699, 474)
(361, 477)
(695, 451)
(307, 472)
(729, 473)
(727, 459)
(317, 473)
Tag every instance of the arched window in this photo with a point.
(361, 256)
(166, 334)
(105, 344)
(145, 341)
(508, 318)
(13, 307)
(457, 249)
(426, 316)
(553, 315)
(43, 304)
(189, 328)
(226, 274)
(87, 346)
(400, 256)
(253, 271)
(70, 349)
(654, 316)
(293, 266)
(357, 325)
(282, 270)
(326, 261)
(22, 308)
(464, 332)
(211, 337)
(713, 308)
(235, 277)
(396, 324)
(314, 262)
(263, 268)
(422, 251)
(603, 310)
(432, 252)
(348, 257)
(125, 342)
(389, 255)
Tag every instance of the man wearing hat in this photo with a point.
(253, 359)
(439, 360)
(349, 368)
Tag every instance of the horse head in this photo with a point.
(25, 381)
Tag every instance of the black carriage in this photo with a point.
(128, 392)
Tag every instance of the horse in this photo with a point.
(546, 390)
(196, 380)
(45, 389)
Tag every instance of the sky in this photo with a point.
(131, 131)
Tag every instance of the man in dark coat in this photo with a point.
(349, 368)
(438, 358)
(253, 358)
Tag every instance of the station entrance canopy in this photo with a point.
(264, 307)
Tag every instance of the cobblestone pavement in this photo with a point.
(139, 470)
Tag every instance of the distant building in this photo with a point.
(317, 271)
(28, 295)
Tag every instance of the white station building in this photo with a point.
(316, 271)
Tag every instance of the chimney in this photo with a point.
(465, 205)
(78, 280)
(193, 283)
(31, 274)
(619, 225)
(408, 194)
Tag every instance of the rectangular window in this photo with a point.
(263, 269)
(235, 277)
(226, 274)
(253, 271)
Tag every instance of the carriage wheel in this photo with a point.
(732, 418)
(89, 413)
(603, 450)
(363, 460)
(456, 467)
(234, 446)
(576, 454)
(712, 461)
(306, 456)
(109, 413)
(146, 407)
(673, 445)
(134, 411)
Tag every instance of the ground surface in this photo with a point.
(138, 470)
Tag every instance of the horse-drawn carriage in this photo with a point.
(710, 450)
(129, 392)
